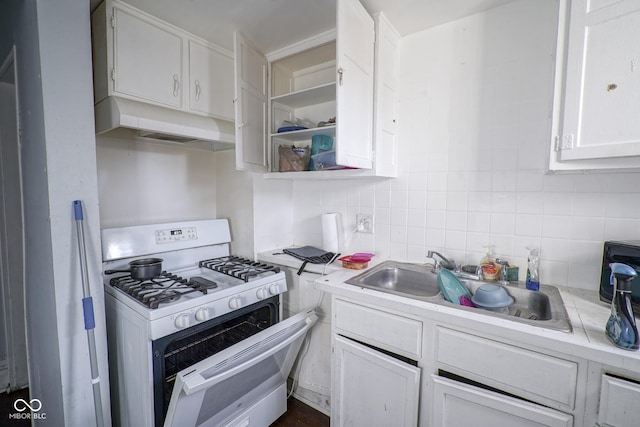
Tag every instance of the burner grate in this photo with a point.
(240, 268)
(164, 288)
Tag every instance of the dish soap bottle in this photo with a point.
(533, 274)
(488, 258)
(488, 265)
(621, 327)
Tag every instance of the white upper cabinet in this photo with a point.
(211, 81)
(385, 111)
(147, 60)
(139, 57)
(251, 106)
(597, 106)
(354, 46)
(312, 82)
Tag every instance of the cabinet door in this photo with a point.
(210, 81)
(250, 106)
(386, 98)
(619, 402)
(600, 103)
(372, 389)
(457, 404)
(354, 93)
(147, 60)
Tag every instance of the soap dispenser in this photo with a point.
(621, 327)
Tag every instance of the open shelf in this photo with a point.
(322, 175)
(306, 97)
(298, 135)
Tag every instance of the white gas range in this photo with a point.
(204, 305)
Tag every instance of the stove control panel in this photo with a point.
(176, 235)
(215, 304)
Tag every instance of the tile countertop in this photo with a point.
(587, 314)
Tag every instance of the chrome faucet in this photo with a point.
(443, 263)
(503, 271)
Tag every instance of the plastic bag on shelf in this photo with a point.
(293, 159)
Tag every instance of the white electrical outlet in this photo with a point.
(364, 223)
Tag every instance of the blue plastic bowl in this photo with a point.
(491, 296)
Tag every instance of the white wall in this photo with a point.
(474, 123)
(235, 202)
(143, 182)
(259, 209)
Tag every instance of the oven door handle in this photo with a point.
(198, 379)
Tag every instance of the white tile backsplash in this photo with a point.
(474, 128)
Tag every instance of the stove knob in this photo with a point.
(262, 293)
(202, 314)
(182, 321)
(274, 289)
(235, 303)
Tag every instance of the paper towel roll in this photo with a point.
(331, 232)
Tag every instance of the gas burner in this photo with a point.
(164, 288)
(240, 268)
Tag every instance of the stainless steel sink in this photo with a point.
(410, 280)
(543, 308)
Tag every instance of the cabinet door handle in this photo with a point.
(198, 90)
(340, 72)
(176, 85)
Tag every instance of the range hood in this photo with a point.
(163, 124)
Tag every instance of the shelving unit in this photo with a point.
(304, 85)
(300, 83)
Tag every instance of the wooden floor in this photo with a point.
(298, 414)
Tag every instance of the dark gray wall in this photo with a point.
(53, 55)
(19, 27)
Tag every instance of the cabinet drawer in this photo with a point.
(388, 331)
(619, 402)
(539, 377)
(461, 405)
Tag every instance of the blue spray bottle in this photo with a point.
(621, 327)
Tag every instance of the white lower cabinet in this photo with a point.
(375, 369)
(403, 364)
(372, 388)
(456, 404)
(539, 377)
(619, 402)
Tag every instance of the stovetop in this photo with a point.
(200, 279)
(165, 288)
(169, 288)
(240, 268)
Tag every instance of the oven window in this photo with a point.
(176, 352)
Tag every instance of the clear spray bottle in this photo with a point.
(533, 267)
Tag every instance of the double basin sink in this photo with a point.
(542, 308)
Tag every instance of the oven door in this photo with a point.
(223, 388)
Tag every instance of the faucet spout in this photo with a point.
(503, 271)
(442, 263)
